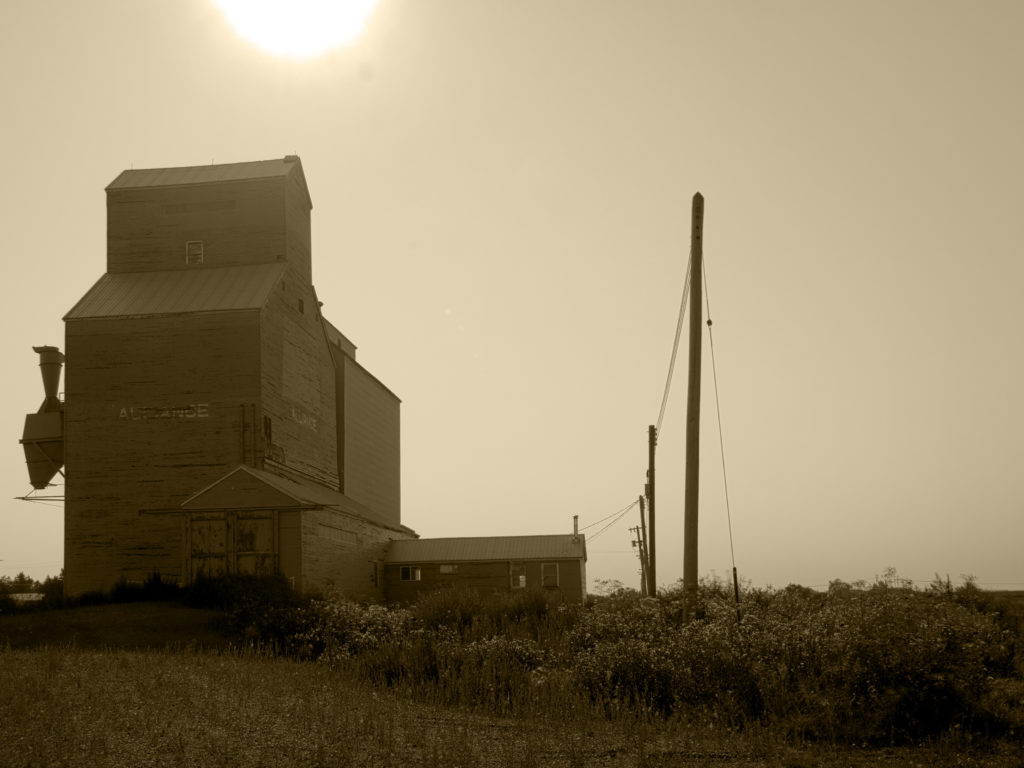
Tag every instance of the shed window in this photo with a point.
(449, 569)
(194, 252)
(517, 571)
(410, 573)
(549, 575)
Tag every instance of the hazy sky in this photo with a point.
(501, 200)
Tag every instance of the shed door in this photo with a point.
(231, 543)
(290, 560)
(208, 550)
(254, 545)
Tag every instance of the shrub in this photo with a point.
(335, 628)
(859, 663)
(880, 663)
(53, 590)
(456, 608)
(876, 664)
(154, 588)
(260, 610)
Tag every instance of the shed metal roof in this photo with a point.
(175, 291)
(479, 548)
(303, 493)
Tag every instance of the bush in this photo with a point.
(335, 628)
(531, 613)
(876, 664)
(457, 608)
(53, 590)
(260, 610)
(153, 589)
(879, 663)
(885, 663)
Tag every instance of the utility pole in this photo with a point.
(643, 568)
(693, 409)
(643, 548)
(639, 544)
(652, 582)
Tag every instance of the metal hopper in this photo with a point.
(43, 437)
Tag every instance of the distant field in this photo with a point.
(126, 625)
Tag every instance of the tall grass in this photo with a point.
(94, 708)
(878, 664)
(101, 709)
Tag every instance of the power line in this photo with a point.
(718, 414)
(613, 522)
(609, 517)
(675, 346)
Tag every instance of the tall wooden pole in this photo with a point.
(644, 560)
(639, 544)
(652, 583)
(693, 409)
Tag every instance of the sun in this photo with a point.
(298, 29)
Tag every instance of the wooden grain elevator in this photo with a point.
(213, 419)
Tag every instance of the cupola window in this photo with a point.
(194, 252)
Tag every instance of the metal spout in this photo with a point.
(51, 360)
(43, 436)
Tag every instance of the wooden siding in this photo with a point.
(343, 552)
(153, 411)
(240, 222)
(371, 442)
(297, 228)
(297, 384)
(239, 490)
(485, 577)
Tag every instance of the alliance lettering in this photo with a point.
(304, 419)
(145, 413)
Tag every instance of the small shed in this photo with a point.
(555, 563)
(253, 521)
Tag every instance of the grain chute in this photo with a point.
(43, 437)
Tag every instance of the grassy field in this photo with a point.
(158, 684)
(91, 707)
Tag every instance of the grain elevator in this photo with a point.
(213, 420)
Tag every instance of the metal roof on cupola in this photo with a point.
(148, 178)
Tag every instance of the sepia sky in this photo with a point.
(501, 216)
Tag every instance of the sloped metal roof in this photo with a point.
(175, 291)
(145, 178)
(201, 174)
(304, 493)
(479, 548)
